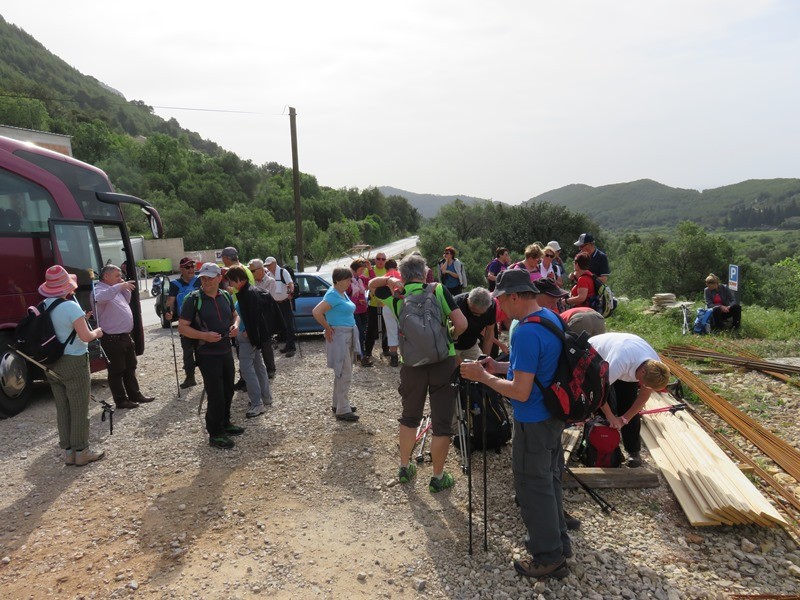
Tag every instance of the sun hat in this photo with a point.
(555, 245)
(58, 283)
(269, 260)
(209, 270)
(550, 287)
(514, 281)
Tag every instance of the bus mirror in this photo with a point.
(153, 218)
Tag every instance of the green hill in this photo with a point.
(427, 204)
(645, 203)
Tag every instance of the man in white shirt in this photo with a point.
(634, 372)
(282, 293)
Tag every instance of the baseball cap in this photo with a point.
(550, 287)
(230, 252)
(186, 262)
(514, 281)
(554, 245)
(585, 238)
(210, 270)
(269, 260)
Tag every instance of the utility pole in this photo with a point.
(298, 217)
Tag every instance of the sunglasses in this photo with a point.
(377, 259)
(550, 255)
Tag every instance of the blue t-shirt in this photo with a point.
(535, 350)
(63, 316)
(451, 282)
(342, 309)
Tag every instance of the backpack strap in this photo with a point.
(48, 309)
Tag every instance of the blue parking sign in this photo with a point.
(733, 277)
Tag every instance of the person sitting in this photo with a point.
(583, 290)
(721, 299)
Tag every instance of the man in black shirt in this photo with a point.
(478, 307)
(598, 261)
(207, 315)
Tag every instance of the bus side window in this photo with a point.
(24, 206)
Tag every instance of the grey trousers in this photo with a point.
(340, 359)
(537, 455)
(72, 400)
(254, 373)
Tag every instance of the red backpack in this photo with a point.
(600, 447)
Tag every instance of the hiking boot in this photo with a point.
(240, 386)
(634, 460)
(221, 441)
(436, 485)
(406, 474)
(188, 382)
(352, 409)
(126, 404)
(231, 429)
(69, 456)
(573, 523)
(351, 417)
(85, 456)
(530, 568)
(394, 361)
(255, 411)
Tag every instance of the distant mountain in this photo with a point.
(427, 204)
(646, 203)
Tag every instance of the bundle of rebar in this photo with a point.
(783, 454)
(745, 362)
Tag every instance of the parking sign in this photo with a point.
(733, 277)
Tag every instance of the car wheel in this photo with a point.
(16, 380)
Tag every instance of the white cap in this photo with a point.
(554, 245)
(269, 260)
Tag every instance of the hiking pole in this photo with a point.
(175, 360)
(602, 502)
(420, 458)
(485, 493)
(685, 310)
(670, 409)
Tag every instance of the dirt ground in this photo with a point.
(306, 506)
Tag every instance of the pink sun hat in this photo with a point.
(58, 282)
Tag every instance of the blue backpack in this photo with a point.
(704, 321)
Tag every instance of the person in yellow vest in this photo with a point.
(374, 315)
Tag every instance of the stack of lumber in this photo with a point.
(662, 302)
(709, 487)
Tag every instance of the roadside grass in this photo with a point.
(770, 332)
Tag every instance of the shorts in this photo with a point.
(415, 385)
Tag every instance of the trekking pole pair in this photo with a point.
(422, 434)
(602, 502)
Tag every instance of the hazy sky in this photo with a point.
(501, 100)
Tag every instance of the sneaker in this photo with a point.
(69, 456)
(366, 361)
(352, 409)
(190, 381)
(231, 429)
(573, 523)
(240, 386)
(86, 456)
(394, 361)
(255, 411)
(530, 568)
(436, 485)
(221, 441)
(271, 374)
(406, 474)
(634, 460)
(351, 417)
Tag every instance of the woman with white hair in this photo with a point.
(69, 377)
(478, 338)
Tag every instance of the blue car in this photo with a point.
(311, 287)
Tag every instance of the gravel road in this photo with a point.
(306, 506)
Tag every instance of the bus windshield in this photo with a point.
(82, 183)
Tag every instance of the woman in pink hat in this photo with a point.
(72, 388)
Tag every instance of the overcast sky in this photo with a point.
(501, 100)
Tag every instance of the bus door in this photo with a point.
(75, 247)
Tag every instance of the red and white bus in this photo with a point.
(55, 210)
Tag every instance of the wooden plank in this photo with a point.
(619, 478)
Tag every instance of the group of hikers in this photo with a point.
(429, 327)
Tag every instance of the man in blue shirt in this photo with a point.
(537, 449)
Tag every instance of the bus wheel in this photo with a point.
(15, 380)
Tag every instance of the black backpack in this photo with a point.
(498, 425)
(580, 385)
(35, 336)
